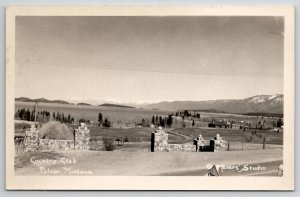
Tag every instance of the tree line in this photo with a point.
(62, 118)
(187, 114)
(162, 121)
(42, 116)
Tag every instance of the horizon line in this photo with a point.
(141, 102)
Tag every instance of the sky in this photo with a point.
(148, 59)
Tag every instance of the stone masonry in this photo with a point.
(159, 140)
(159, 143)
(50, 144)
(80, 142)
(199, 142)
(218, 143)
(31, 139)
(82, 137)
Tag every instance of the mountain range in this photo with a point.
(115, 105)
(259, 103)
(254, 104)
(41, 100)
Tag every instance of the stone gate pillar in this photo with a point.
(31, 139)
(82, 137)
(199, 142)
(159, 140)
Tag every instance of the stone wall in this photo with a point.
(50, 144)
(159, 143)
(80, 142)
(176, 148)
(215, 145)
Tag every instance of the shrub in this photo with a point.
(56, 130)
(106, 123)
(126, 139)
(108, 143)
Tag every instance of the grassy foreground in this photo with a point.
(119, 163)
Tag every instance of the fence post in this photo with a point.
(264, 143)
(228, 145)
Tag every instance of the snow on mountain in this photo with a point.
(259, 103)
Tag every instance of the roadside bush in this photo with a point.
(126, 139)
(56, 130)
(108, 143)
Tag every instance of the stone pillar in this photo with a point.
(199, 142)
(159, 140)
(219, 144)
(82, 137)
(31, 140)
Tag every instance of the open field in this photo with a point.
(233, 135)
(133, 134)
(144, 163)
(238, 139)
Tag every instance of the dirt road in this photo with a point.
(184, 137)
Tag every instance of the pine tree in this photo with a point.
(28, 115)
(100, 118)
(106, 123)
(63, 117)
(69, 118)
(160, 121)
(169, 121)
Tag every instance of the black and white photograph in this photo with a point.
(171, 96)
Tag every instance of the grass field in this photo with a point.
(235, 135)
(187, 134)
(133, 134)
(139, 138)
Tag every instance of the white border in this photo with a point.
(147, 182)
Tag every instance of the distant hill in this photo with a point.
(40, 100)
(115, 105)
(260, 103)
(84, 104)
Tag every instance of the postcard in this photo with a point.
(150, 98)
